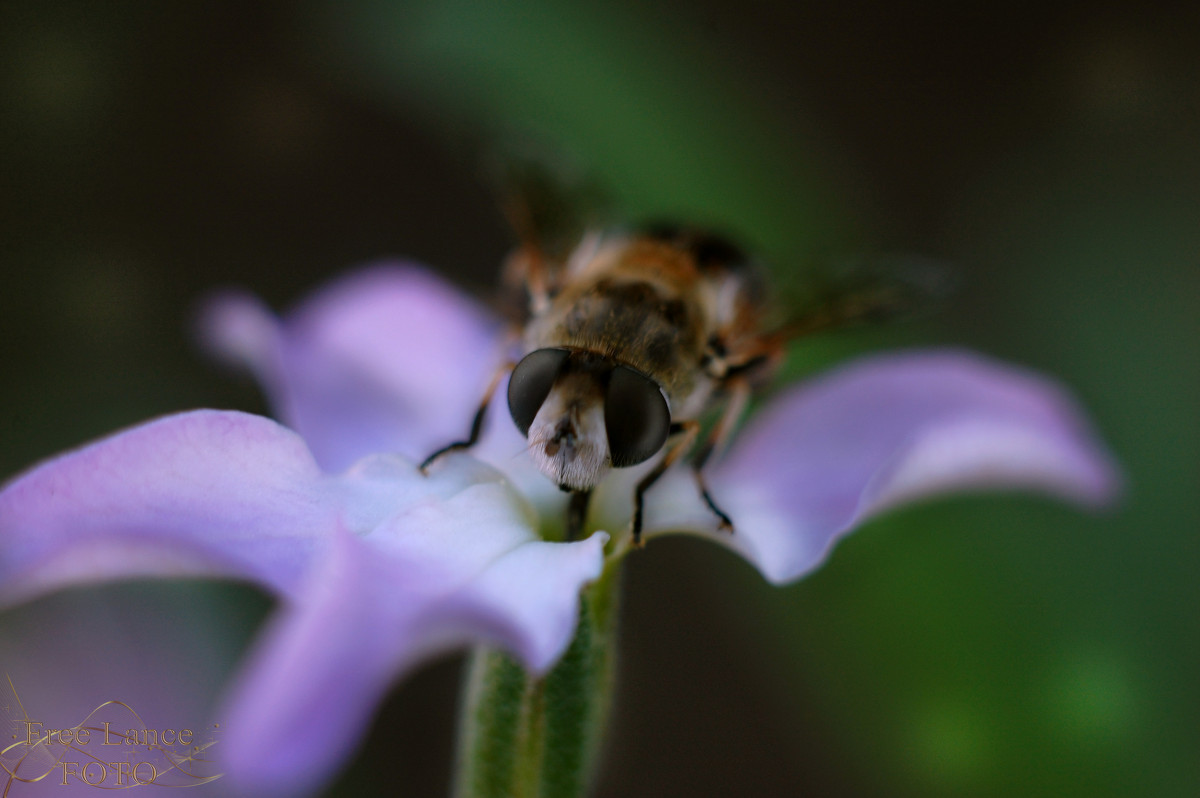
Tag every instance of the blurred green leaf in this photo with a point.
(669, 123)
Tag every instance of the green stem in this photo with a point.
(525, 737)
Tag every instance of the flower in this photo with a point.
(378, 566)
(819, 460)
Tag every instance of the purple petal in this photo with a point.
(311, 682)
(440, 575)
(206, 493)
(202, 493)
(826, 456)
(379, 567)
(391, 358)
(388, 359)
(526, 602)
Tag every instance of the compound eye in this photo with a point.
(636, 416)
(530, 384)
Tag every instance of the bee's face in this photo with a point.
(584, 413)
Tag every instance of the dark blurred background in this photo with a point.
(993, 646)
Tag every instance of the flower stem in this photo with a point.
(528, 737)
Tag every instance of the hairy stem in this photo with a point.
(528, 737)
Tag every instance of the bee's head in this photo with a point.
(584, 413)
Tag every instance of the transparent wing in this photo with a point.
(550, 201)
(865, 290)
(549, 204)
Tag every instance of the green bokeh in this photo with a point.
(982, 646)
(992, 646)
(637, 94)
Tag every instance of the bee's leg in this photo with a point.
(689, 430)
(526, 271)
(752, 364)
(577, 513)
(476, 423)
(739, 394)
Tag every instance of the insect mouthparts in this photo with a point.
(553, 445)
(568, 438)
(564, 436)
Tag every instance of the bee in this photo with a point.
(630, 342)
(628, 347)
(627, 343)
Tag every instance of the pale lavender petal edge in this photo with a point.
(302, 702)
(388, 358)
(827, 455)
(326, 661)
(204, 493)
(526, 602)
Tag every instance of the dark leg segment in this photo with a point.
(725, 523)
(739, 394)
(680, 447)
(476, 423)
(577, 513)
